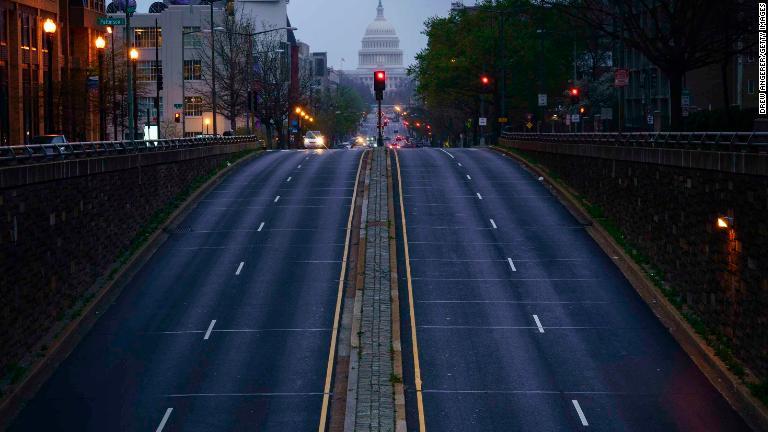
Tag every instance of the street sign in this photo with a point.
(542, 99)
(575, 118)
(482, 121)
(178, 106)
(110, 21)
(650, 119)
(529, 125)
(621, 78)
(503, 120)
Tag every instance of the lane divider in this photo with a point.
(538, 324)
(289, 179)
(277, 199)
(337, 312)
(511, 264)
(493, 224)
(414, 339)
(210, 329)
(239, 268)
(167, 415)
(468, 177)
(582, 417)
(479, 196)
(260, 227)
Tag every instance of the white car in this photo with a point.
(314, 139)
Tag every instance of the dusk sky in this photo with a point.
(337, 26)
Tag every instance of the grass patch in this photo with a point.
(716, 340)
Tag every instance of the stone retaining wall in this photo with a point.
(64, 224)
(668, 210)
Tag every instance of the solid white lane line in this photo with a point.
(164, 420)
(538, 323)
(479, 196)
(277, 199)
(260, 227)
(289, 179)
(239, 268)
(582, 417)
(210, 329)
(493, 224)
(468, 177)
(511, 264)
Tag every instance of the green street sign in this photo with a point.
(110, 21)
(178, 106)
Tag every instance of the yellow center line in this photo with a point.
(337, 313)
(414, 340)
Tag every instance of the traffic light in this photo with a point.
(485, 80)
(379, 84)
(177, 118)
(574, 94)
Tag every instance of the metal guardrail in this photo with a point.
(753, 142)
(10, 155)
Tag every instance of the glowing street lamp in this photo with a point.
(100, 44)
(724, 222)
(49, 27)
(207, 122)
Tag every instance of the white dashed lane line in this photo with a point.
(582, 417)
(167, 415)
(210, 329)
(260, 227)
(493, 224)
(289, 179)
(239, 268)
(512, 264)
(277, 198)
(479, 196)
(538, 324)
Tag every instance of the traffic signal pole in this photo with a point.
(380, 141)
(379, 85)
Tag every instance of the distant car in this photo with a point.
(51, 144)
(228, 133)
(314, 139)
(48, 139)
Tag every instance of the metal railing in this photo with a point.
(36, 153)
(753, 142)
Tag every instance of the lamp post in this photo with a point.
(100, 44)
(207, 123)
(113, 82)
(133, 108)
(50, 28)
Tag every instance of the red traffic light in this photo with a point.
(381, 75)
(574, 91)
(485, 80)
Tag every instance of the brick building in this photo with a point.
(27, 107)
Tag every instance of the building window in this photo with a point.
(750, 86)
(144, 37)
(146, 70)
(193, 70)
(193, 106)
(192, 37)
(148, 103)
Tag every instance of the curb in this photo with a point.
(73, 332)
(397, 355)
(752, 410)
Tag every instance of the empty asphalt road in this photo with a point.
(228, 326)
(522, 322)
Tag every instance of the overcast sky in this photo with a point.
(337, 26)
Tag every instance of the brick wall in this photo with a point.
(669, 213)
(64, 224)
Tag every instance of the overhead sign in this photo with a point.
(503, 120)
(621, 78)
(110, 21)
(482, 121)
(542, 99)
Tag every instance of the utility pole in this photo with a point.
(158, 79)
(213, 71)
(131, 127)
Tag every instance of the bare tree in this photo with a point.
(676, 35)
(229, 47)
(272, 75)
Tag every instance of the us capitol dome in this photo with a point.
(381, 51)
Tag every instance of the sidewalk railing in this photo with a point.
(752, 142)
(54, 152)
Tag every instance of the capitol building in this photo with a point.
(381, 51)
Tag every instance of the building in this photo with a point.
(381, 51)
(181, 33)
(264, 14)
(44, 86)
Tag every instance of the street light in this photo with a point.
(133, 54)
(50, 28)
(112, 84)
(207, 122)
(100, 44)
